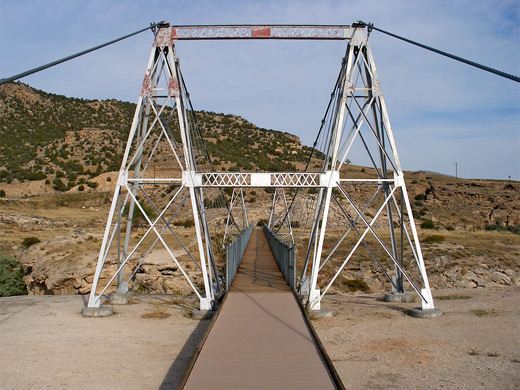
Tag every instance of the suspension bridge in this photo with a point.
(261, 329)
(322, 197)
(356, 117)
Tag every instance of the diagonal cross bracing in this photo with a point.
(328, 203)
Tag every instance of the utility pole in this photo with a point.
(456, 173)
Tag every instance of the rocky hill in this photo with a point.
(64, 142)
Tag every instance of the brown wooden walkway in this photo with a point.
(260, 339)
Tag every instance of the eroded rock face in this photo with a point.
(57, 267)
(159, 274)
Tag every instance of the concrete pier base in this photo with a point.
(119, 298)
(202, 314)
(398, 297)
(317, 314)
(103, 311)
(426, 313)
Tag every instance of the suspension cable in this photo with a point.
(443, 53)
(152, 27)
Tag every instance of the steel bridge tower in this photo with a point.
(357, 118)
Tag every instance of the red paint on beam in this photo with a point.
(261, 32)
(173, 87)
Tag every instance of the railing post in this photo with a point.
(284, 255)
(234, 253)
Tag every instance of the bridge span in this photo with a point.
(260, 337)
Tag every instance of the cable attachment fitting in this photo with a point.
(162, 24)
(370, 28)
(361, 24)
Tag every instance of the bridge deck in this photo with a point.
(260, 339)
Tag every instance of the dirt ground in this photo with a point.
(45, 343)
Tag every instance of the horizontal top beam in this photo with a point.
(323, 32)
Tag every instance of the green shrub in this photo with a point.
(138, 216)
(428, 224)
(420, 197)
(58, 185)
(500, 228)
(28, 241)
(261, 222)
(187, 223)
(81, 187)
(228, 191)
(433, 239)
(356, 285)
(11, 274)
(2, 194)
(514, 229)
(36, 176)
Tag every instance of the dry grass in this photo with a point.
(158, 313)
(484, 313)
(453, 297)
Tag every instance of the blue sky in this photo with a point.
(442, 112)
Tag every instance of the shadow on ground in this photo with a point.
(177, 370)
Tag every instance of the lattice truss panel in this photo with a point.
(368, 210)
(237, 220)
(153, 209)
(280, 217)
(258, 32)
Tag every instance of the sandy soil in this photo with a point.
(46, 344)
(474, 345)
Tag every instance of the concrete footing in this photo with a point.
(118, 298)
(398, 297)
(317, 314)
(103, 311)
(426, 313)
(202, 314)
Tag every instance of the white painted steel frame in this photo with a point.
(162, 65)
(359, 63)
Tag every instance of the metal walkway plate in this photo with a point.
(260, 339)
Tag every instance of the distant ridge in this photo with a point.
(434, 173)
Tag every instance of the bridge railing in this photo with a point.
(284, 255)
(235, 253)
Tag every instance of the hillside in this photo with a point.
(67, 141)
